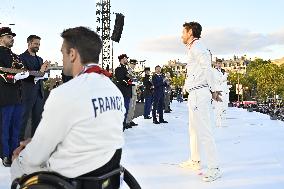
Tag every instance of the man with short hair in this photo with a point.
(10, 95)
(201, 86)
(159, 84)
(148, 93)
(124, 83)
(80, 133)
(221, 107)
(32, 90)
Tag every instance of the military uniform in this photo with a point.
(10, 91)
(132, 104)
(124, 83)
(148, 94)
(158, 98)
(10, 101)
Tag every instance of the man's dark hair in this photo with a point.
(32, 37)
(87, 42)
(158, 66)
(196, 28)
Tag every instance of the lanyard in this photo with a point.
(191, 43)
(93, 68)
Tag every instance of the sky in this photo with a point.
(152, 29)
(250, 151)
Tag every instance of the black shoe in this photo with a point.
(128, 126)
(163, 121)
(168, 111)
(133, 124)
(156, 122)
(7, 162)
(147, 117)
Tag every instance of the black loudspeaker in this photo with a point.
(118, 27)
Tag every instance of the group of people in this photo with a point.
(86, 137)
(157, 91)
(21, 94)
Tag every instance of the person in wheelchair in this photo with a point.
(80, 133)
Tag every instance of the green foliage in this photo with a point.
(262, 78)
(178, 80)
(169, 69)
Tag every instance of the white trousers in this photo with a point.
(201, 122)
(218, 113)
(220, 109)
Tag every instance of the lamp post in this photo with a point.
(238, 89)
(245, 93)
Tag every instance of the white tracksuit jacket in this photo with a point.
(80, 130)
(201, 120)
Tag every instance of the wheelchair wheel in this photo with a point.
(42, 180)
(130, 180)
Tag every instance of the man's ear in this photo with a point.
(73, 55)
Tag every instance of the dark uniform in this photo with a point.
(148, 95)
(158, 97)
(124, 84)
(10, 104)
(33, 93)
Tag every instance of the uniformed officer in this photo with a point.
(124, 83)
(132, 104)
(80, 133)
(159, 84)
(10, 95)
(148, 93)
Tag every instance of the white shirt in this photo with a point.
(80, 130)
(199, 70)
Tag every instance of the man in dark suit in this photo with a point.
(10, 95)
(124, 83)
(158, 81)
(33, 93)
(148, 93)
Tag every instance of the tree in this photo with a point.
(263, 79)
(169, 69)
(178, 80)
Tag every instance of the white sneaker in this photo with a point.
(189, 164)
(212, 174)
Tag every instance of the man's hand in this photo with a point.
(217, 96)
(36, 79)
(22, 146)
(44, 67)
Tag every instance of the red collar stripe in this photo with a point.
(97, 69)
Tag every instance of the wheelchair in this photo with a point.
(52, 180)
